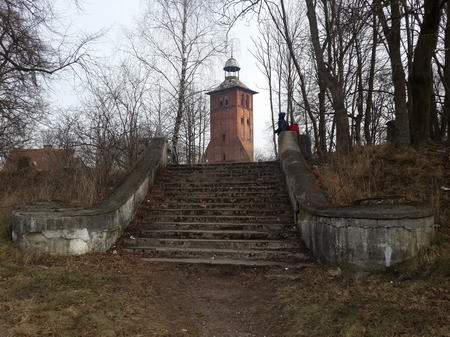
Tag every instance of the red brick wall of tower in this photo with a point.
(231, 126)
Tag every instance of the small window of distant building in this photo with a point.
(221, 103)
(246, 101)
(226, 101)
(224, 157)
(223, 138)
(242, 120)
(242, 100)
(248, 121)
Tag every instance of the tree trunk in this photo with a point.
(447, 73)
(327, 80)
(309, 112)
(322, 123)
(359, 96)
(274, 137)
(421, 80)
(182, 84)
(435, 129)
(369, 100)
(392, 36)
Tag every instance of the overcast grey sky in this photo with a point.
(117, 16)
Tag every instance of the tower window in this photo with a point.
(246, 101)
(242, 120)
(248, 121)
(223, 138)
(226, 101)
(221, 103)
(242, 100)
(224, 157)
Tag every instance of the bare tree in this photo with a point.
(182, 36)
(421, 79)
(25, 59)
(392, 35)
(264, 54)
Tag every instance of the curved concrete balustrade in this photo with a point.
(367, 236)
(80, 231)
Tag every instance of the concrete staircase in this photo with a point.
(237, 214)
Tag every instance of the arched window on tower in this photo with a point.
(246, 101)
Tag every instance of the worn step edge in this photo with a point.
(217, 251)
(217, 181)
(256, 227)
(199, 231)
(252, 244)
(215, 206)
(243, 194)
(233, 217)
(177, 223)
(230, 262)
(261, 212)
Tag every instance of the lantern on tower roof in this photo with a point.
(232, 68)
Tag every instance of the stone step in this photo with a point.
(267, 200)
(214, 189)
(214, 226)
(206, 234)
(225, 176)
(218, 184)
(226, 166)
(218, 219)
(181, 252)
(219, 212)
(217, 206)
(228, 262)
(215, 195)
(212, 243)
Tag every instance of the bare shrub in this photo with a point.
(377, 171)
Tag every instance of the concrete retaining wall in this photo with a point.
(73, 232)
(367, 236)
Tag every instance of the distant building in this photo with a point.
(45, 159)
(231, 108)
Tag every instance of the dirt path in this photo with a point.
(225, 302)
(116, 296)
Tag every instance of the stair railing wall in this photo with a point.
(80, 231)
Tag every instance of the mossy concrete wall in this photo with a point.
(81, 231)
(367, 236)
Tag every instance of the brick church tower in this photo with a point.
(231, 106)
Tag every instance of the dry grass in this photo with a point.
(91, 296)
(64, 188)
(366, 305)
(74, 188)
(374, 171)
(379, 171)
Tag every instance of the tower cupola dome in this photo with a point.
(232, 68)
